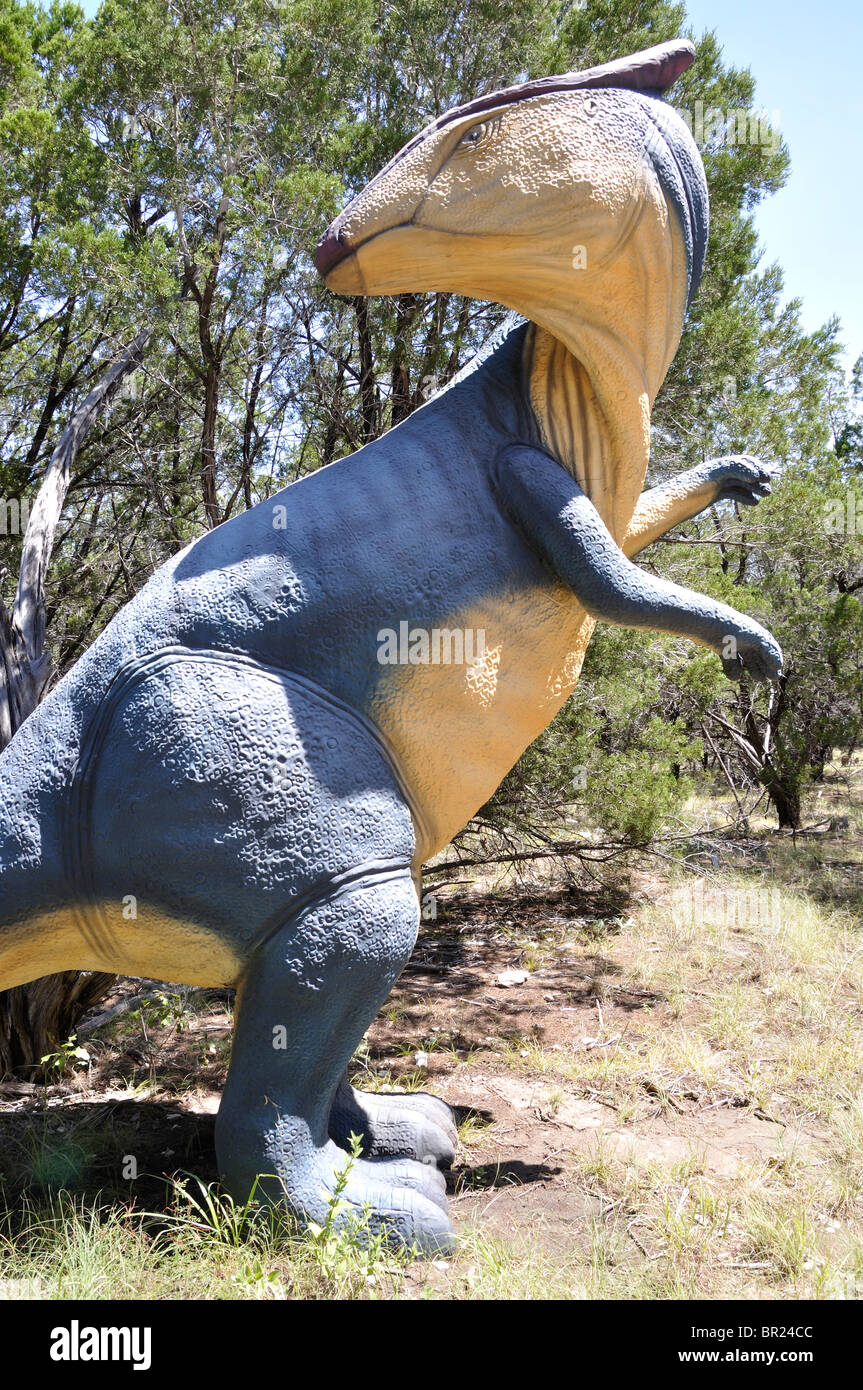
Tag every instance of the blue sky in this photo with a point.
(805, 60)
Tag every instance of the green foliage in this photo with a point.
(214, 1217)
(344, 1248)
(175, 167)
(66, 1058)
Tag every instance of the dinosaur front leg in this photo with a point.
(562, 525)
(735, 477)
(308, 995)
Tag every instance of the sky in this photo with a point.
(804, 58)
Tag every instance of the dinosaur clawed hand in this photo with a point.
(742, 478)
(751, 649)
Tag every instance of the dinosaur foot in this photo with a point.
(414, 1125)
(401, 1199)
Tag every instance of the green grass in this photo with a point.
(203, 1245)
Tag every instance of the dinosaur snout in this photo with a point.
(331, 249)
(336, 259)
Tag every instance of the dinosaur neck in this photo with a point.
(581, 422)
(593, 376)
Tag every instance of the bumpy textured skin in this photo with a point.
(564, 527)
(230, 788)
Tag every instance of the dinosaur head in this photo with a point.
(547, 196)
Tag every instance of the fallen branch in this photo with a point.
(135, 1001)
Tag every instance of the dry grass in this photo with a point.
(672, 1108)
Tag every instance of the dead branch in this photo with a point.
(25, 666)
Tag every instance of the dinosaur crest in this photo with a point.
(651, 71)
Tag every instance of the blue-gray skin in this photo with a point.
(564, 527)
(208, 796)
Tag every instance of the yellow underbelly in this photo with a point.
(457, 729)
(152, 945)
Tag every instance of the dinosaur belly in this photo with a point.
(142, 942)
(457, 728)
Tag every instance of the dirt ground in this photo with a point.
(505, 1010)
(514, 1175)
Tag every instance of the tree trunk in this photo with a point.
(35, 1017)
(368, 394)
(401, 403)
(783, 788)
(209, 491)
(818, 761)
(784, 797)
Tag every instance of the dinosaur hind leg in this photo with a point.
(308, 995)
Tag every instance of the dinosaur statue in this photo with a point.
(234, 786)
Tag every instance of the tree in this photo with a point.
(170, 165)
(34, 1016)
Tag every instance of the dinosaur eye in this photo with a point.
(591, 106)
(477, 135)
